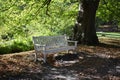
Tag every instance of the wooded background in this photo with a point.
(22, 19)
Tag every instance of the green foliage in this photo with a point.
(17, 45)
(22, 19)
(5, 49)
(109, 10)
(21, 15)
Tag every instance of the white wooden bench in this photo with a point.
(52, 44)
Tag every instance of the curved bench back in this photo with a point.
(51, 40)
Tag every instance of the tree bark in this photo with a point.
(88, 22)
(77, 27)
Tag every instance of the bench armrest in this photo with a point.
(38, 46)
(75, 42)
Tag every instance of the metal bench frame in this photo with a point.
(52, 44)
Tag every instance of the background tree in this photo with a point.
(86, 31)
(109, 10)
(85, 28)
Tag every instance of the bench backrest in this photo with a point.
(51, 40)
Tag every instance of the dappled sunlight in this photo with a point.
(79, 20)
(111, 41)
(89, 62)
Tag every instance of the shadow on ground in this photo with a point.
(110, 45)
(79, 66)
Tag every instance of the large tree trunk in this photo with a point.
(88, 22)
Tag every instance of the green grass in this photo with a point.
(109, 34)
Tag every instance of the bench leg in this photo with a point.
(67, 51)
(35, 56)
(44, 56)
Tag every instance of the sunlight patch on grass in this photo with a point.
(115, 35)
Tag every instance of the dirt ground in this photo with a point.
(89, 63)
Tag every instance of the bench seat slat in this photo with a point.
(54, 50)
